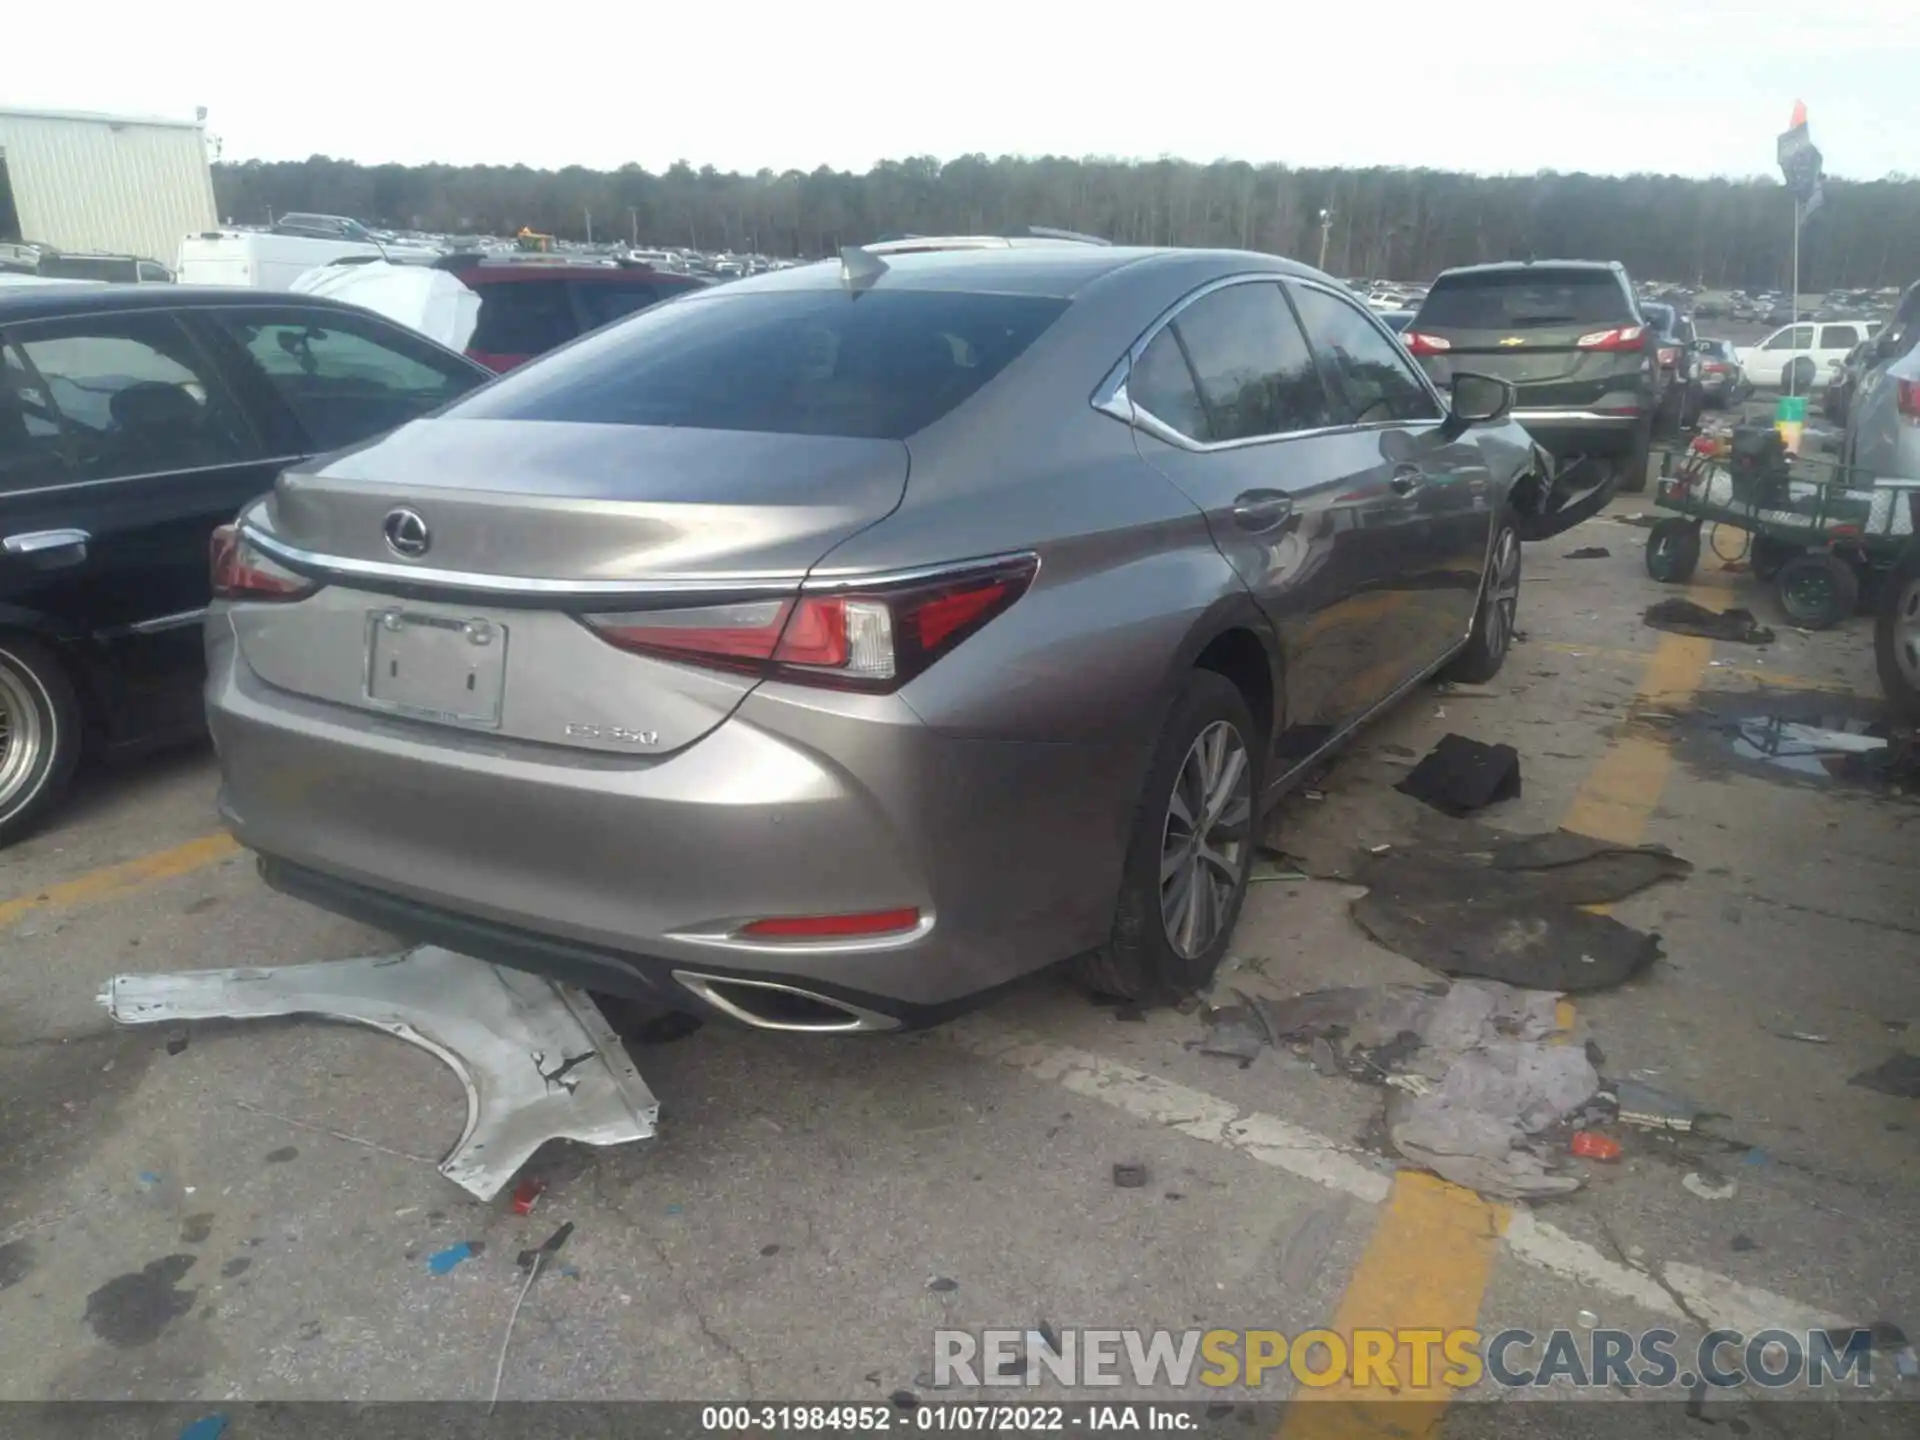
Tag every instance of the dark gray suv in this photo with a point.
(1568, 335)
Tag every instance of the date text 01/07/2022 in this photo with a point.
(963, 1418)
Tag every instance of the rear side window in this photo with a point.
(879, 364)
(346, 377)
(523, 317)
(1252, 371)
(601, 302)
(132, 395)
(1838, 337)
(1535, 298)
(1377, 381)
(31, 452)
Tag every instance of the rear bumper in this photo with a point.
(621, 875)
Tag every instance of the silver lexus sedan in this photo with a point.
(831, 648)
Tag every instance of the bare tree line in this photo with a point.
(1385, 223)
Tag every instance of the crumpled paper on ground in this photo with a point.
(1474, 1076)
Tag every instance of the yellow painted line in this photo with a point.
(110, 882)
(1432, 1253)
(1744, 672)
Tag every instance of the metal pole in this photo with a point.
(1793, 305)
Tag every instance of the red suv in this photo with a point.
(532, 304)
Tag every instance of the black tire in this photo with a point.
(1140, 962)
(1765, 556)
(1496, 613)
(39, 734)
(1818, 590)
(1673, 550)
(1632, 467)
(1896, 634)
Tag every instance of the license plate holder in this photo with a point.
(438, 667)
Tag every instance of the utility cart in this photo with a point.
(1811, 528)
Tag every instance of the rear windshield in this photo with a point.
(1524, 299)
(880, 364)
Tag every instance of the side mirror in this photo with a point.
(1480, 399)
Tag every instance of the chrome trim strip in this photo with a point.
(858, 1019)
(1594, 415)
(280, 460)
(179, 620)
(38, 542)
(784, 582)
(726, 938)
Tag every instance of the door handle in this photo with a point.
(1259, 510)
(50, 547)
(1406, 479)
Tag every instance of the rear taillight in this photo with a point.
(861, 639)
(1669, 356)
(1419, 344)
(1906, 395)
(1713, 367)
(242, 572)
(1625, 337)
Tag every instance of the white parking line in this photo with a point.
(1676, 1291)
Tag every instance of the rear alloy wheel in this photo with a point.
(1493, 621)
(1896, 635)
(1818, 590)
(1673, 550)
(1192, 849)
(39, 734)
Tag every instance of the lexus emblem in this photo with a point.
(406, 533)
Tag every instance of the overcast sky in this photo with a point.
(1697, 87)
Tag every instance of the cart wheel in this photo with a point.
(1766, 555)
(1818, 590)
(1673, 550)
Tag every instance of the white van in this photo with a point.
(262, 260)
(1811, 349)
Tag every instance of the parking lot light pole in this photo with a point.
(1326, 231)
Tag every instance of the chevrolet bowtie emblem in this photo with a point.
(1513, 340)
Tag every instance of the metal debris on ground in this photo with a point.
(1588, 552)
(538, 1061)
(1806, 1037)
(1646, 1108)
(1683, 617)
(1707, 1188)
(1129, 1175)
(1899, 1076)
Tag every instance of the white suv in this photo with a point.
(1809, 350)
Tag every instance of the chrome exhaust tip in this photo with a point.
(770, 1005)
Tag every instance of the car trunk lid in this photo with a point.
(529, 529)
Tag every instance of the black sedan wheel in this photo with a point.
(39, 734)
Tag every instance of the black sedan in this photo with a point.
(133, 420)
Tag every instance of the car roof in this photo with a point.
(49, 302)
(1057, 271)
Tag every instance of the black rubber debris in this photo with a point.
(1459, 776)
(1898, 1076)
(1589, 552)
(1683, 617)
(1129, 1175)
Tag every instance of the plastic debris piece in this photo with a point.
(442, 1261)
(148, 1180)
(1129, 1174)
(673, 1209)
(1898, 1076)
(943, 1285)
(1714, 1189)
(1589, 1146)
(1588, 552)
(546, 1249)
(1651, 1109)
(1460, 775)
(1588, 1320)
(177, 1042)
(526, 1194)
(207, 1427)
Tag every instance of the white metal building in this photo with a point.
(126, 185)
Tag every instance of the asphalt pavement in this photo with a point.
(248, 1211)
